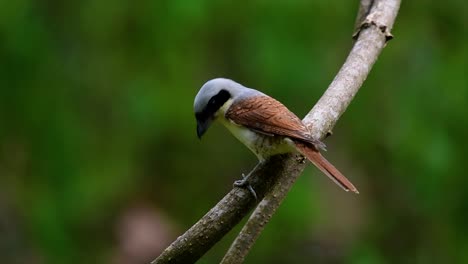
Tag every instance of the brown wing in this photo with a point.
(266, 115)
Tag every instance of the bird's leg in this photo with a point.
(245, 180)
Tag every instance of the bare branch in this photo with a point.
(280, 172)
(325, 113)
(196, 241)
(371, 39)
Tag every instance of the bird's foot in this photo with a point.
(244, 183)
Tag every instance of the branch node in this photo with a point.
(300, 159)
(369, 22)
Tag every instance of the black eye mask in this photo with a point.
(213, 105)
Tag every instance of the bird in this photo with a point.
(262, 124)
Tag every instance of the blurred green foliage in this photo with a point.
(96, 120)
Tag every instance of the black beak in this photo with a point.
(202, 126)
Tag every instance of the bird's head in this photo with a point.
(211, 98)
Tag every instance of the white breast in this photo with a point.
(244, 135)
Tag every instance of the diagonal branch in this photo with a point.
(371, 37)
(215, 224)
(279, 173)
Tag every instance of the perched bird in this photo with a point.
(262, 124)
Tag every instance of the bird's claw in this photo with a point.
(244, 183)
(252, 191)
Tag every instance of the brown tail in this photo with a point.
(326, 167)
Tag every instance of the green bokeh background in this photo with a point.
(99, 160)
